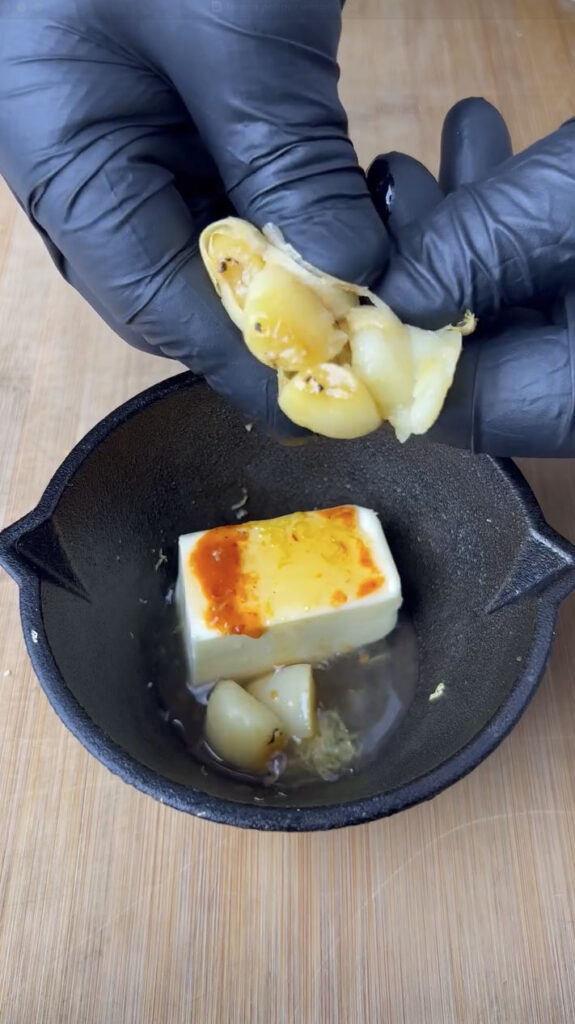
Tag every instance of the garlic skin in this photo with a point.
(343, 368)
(233, 253)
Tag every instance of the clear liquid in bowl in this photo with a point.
(371, 688)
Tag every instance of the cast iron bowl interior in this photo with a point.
(482, 575)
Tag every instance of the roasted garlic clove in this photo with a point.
(407, 370)
(289, 334)
(365, 364)
(240, 729)
(329, 399)
(382, 357)
(336, 296)
(435, 355)
(290, 693)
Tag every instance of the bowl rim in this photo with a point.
(236, 813)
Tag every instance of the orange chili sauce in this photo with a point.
(231, 593)
(347, 515)
(369, 586)
(217, 562)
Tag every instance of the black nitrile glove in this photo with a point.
(126, 127)
(497, 236)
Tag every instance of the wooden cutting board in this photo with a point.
(115, 910)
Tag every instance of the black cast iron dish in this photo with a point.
(483, 577)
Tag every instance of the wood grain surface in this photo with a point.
(115, 910)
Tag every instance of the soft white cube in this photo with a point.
(300, 588)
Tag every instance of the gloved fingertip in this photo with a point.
(381, 184)
(416, 296)
(346, 240)
(402, 189)
(474, 141)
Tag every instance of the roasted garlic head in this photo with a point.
(343, 367)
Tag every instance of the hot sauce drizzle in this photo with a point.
(233, 602)
(217, 563)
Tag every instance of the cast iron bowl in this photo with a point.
(483, 577)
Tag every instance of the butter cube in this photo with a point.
(300, 588)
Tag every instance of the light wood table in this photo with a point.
(115, 910)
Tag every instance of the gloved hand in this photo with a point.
(126, 127)
(496, 235)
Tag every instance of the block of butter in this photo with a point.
(300, 588)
